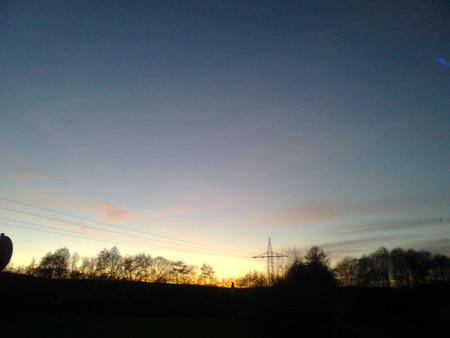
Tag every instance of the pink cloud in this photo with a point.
(112, 213)
(108, 212)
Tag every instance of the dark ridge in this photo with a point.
(174, 310)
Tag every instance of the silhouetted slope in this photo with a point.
(188, 309)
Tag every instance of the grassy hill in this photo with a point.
(59, 307)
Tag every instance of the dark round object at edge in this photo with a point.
(6, 249)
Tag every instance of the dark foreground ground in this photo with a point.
(82, 308)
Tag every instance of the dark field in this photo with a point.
(80, 308)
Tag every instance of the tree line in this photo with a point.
(382, 268)
(397, 268)
(109, 264)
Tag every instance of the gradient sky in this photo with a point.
(217, 124)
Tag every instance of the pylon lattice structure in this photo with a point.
(270, 255)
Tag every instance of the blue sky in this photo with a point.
(224, 123)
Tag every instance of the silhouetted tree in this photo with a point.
(418, 266)
(160, 270)
(207, 275)
(143, 264)
(31, 269)
(74, 258)
(380, 262)
(399, 264)
(136, 268)
(346, 271)
(179, 270)
(366, 271)
(191, 275)
(440, 268)
(252, 279)
(88, 267)
(312, 275)
(54, 264)
(108, 263)
(128, 268)
(398, 268)
(73, 266)
(317, 256)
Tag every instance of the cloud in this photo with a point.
(353, 245)
(366, 246)
(30, 176)
(112, 213)
(298, 215)
(436, 246)
(305, 214)
(396, 225)
(108, 212)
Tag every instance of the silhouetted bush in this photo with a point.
(312, 279)
(311, 276)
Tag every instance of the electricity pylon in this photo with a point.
(270, 255)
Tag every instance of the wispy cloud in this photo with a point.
(408, 224)
(300, 215)
(107, 211)
(304, 214)
(366, 246)
(30, 176)
(111, 213)
(354, 245)
(441, 246)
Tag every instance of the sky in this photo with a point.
(196, 130)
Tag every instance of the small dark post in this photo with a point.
(232, 302)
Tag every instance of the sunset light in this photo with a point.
(194, 131)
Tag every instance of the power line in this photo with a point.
(116, 232)
(96, 238)
(120, 227)
(77, 234)
(109, 231)
(116, 198)
(70, 235)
